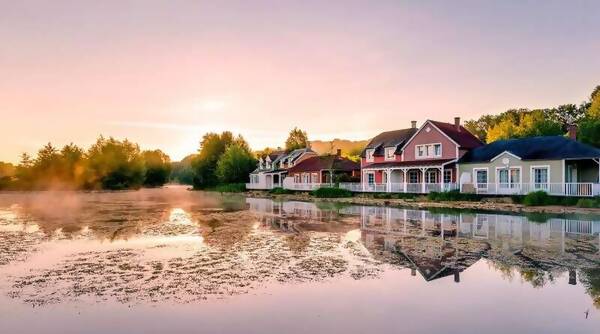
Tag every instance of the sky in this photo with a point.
(163, 73)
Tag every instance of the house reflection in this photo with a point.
(438, 245)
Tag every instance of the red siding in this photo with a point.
(432, 137)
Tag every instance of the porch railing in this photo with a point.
(556, 189)
(416, 188)
(305, 186)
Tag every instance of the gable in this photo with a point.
(430, 134)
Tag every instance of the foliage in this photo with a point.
(454, 195)
(537, 198)
(331, 193)
(589, 131)
(114, 165)
(108, 164)
(158, 168)
(212, 146)
(296, 139)
(588, 202)
(280, 191)
(524, 123)
(230, 188)
(236, 163)
(182, 171)
(594, 108)
(590, 279)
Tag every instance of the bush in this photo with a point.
(230, 188)
(331, 193)
(538, 198)
(453, 195)
(280, 191)
(588, 203)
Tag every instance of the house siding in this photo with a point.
(434, 136)
(556, 168)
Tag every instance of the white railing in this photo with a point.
(555, 189)
(416, 188)
(306, 186)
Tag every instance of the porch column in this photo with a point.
(423, 170)
(404, 180)
(389, 180)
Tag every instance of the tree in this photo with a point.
(567, 114)
(523, 123)
(594, 107)
(114, 164)
(589, 131)
(212, 147)
(158, 168)
(235, 164)
(182, 171)
(296, 139)
(481, 126)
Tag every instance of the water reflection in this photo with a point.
(442, 245)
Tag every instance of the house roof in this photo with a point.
(417, 163)
(460, 135)
(325, 162)
(533, 148)
(389, 139)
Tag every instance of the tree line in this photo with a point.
(108, 164)
(521, 123)
(226, 159)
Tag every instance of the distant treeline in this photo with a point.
(108, 164)
(520, 123)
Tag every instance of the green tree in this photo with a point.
(481, 126)
(567, 114)
(158, 168)
(296, 139)
(182, 171)
(114, 164)
(589, 131)
(212, 147)
(594, 107)
(235, 164)
(524, 123)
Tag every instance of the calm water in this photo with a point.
(170, 260)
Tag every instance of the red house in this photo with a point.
(317, 171)
(416, 160)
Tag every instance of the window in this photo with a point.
(314, 178)
(429, 151)
(539, 177)
(371, 178)
(306, 178)
(481, 177)
(297, 178)
(390, 153)
(369, 155)
(447, 175)
(509, 178)
(413, 176)
(431, 176)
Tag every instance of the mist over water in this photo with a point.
(172, 260)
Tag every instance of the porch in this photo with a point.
(266, 180)
(407, 177)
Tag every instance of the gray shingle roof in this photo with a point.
(533, 148)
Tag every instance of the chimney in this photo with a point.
(457, 123)
(339, 152)
(573, 131)
(413, 124)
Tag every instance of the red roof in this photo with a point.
(460, 135)
(418, 163)
(325, 162)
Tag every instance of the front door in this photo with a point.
(508, 180)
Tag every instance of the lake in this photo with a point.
(176, 261)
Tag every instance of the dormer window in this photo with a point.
(390, 153)
(369, 155)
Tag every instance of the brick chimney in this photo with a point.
(457, 123)
(339, 152)
(413, 124)
(573, 131)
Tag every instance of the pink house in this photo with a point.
(416, 160)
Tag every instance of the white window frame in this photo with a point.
(476, 180)
(387, 155)
(428, 174)
(532, 177)
(369, 154)
(368, 175)
(428, 151)
(444, 176)
(509, 168)
(410, 173)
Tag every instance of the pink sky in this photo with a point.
(162, 73)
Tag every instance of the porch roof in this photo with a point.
(408, 164)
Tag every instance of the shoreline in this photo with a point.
(422, 203)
